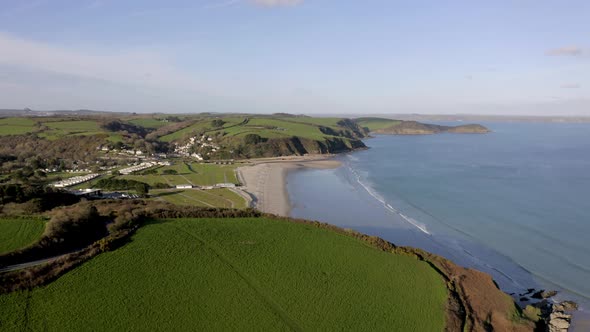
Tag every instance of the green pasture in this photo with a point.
(222, 197)
(376, 123)
(235, 274)
(19, 233)
(190, 173)
(17, 126)
(203, 125)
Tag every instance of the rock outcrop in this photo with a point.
(555, 317)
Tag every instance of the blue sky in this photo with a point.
(299, 56)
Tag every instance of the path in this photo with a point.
(251, 282)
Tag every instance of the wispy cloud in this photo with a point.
(565, 51)
(571, 86)
(275, 3)
(131, 67)
(23, 7)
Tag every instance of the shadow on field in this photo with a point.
(167, 193)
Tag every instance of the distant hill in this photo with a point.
(28, 112)
(400, 127)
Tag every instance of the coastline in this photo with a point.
(265, 180)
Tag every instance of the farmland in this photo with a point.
(376, 123)
(222, 197)
(16, 126)
(18, 233)
(247, 274)
(189, 173)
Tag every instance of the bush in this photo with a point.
(217, 123)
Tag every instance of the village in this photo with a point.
(182, 173)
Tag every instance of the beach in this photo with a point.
(265, 180)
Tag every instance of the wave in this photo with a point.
(477, 261)
(387, 206)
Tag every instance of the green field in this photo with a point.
(151, 123)
(376, 123)
(222, 197)
(273, 127)
(192, 173)
(16, 126)
(201, 126)
(19, 233)
(236, 274)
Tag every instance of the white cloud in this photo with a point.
(274, 3)
(565, 51)
(123, 67)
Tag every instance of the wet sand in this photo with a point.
(266, 180)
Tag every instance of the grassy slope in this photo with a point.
(18, 233)
(246, 274)
(200, 126)
(376, 123)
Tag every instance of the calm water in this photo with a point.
(514, 203)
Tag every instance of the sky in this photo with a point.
(297, 56)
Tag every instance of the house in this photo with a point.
(225, 185)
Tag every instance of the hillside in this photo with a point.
(399, 127)
(261, 273)
(215, 274)
(226, 135)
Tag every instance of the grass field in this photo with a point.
(236, 274)
(376, 123)
(200, 126)
(193, 173)
(19, 233)
(16, 126)
(222, 197)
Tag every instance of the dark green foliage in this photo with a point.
(142, 188)
(117, 126)
(46, 197)
(173, 119)
(69, 229)
(121, 184)
(217, 123)
(252, 139)
(170, 172)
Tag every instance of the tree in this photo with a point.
(252, 139)
(142, 189)
(217, 123)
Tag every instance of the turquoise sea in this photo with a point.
(514, 203)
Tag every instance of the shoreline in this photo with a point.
(265, 180)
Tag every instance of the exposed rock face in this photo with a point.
(556, 316)
(418, 128)
(299, 146)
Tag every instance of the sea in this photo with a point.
(514, 203)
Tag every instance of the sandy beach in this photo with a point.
(266, 179)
